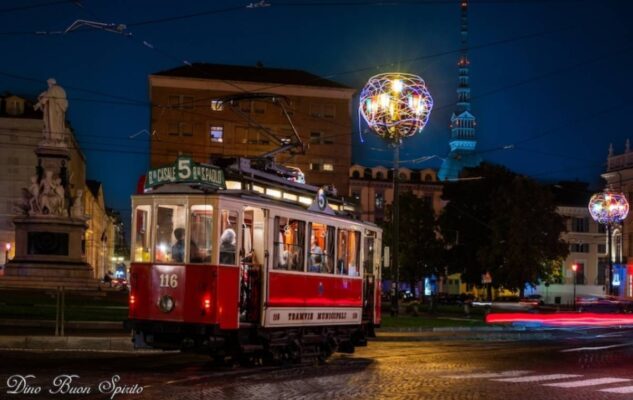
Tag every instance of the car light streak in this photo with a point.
(561, 319)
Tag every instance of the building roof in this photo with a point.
(94, 187)
(251, 74)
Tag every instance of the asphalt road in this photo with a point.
(560, 365)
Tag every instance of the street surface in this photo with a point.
(594, 364)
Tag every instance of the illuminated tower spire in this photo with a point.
(462, 140)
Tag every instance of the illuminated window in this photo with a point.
(217, 105)
(170, 234)
(142, 237)
(348, 253)
(201, 226)
(322, 246)
(216, 134)
(289, 244)
(328, 166)
(228, 237)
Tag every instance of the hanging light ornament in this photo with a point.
(608, 207)
(396, 105)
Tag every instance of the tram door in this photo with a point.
(369, 281)
(252, 257)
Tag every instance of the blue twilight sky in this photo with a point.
(552, 78)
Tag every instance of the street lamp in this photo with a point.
(395, 106)
(7, 247)
(609, 208)
(574, 268)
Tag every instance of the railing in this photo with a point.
(620, 161)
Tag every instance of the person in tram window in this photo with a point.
(178, 249)
(227, 246)
(316, 256)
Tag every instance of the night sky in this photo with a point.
(550, 79)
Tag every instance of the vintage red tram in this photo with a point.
(236, 261)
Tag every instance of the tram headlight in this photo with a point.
(166, 303)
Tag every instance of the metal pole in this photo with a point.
(575, 276)
(62, 313)
(609, 272)
(57, 304)
(396, 223)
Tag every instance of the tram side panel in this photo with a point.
(311, 300)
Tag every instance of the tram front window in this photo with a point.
(170, 234)
(141, 240)
(200, 225)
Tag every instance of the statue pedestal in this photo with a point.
(50, 247)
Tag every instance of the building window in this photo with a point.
(356, 175)
(580, 225)
(245, 106)
(380, 175)
(602, 248)
(428, 178)
(180, 102)
(216, 134)
(315, 137)
(356, 195)
(579, 248)
(602, 228)
(315, 165)
(180, 129)
(217, 105)
(328, 166)
(316, 110)
(379, 200)
(259, 107)
(329, 111)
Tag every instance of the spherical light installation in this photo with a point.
(395, 105)
(608, 207)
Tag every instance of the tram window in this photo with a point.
(348, 253)
(289, 244)
(228, 238)
(369, 249)
(200, 225)
(170, 234)
(141, 244)
(321, 258)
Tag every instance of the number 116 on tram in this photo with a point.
(234, 261)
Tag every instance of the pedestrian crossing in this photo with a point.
(563, 381)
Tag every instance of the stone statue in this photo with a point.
(53, 104)
(59, 196)
(49, 199)
(77, 210)
(34, 200)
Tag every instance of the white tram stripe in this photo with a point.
(587, 382)
(488, 375)
(623, 389)
(537, 378)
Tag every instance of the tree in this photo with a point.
(504, 224)
(420, 249)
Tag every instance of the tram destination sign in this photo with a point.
(185, 170)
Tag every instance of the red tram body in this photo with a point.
(253, 266)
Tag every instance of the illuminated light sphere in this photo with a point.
(608, 207)
(395, 105)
